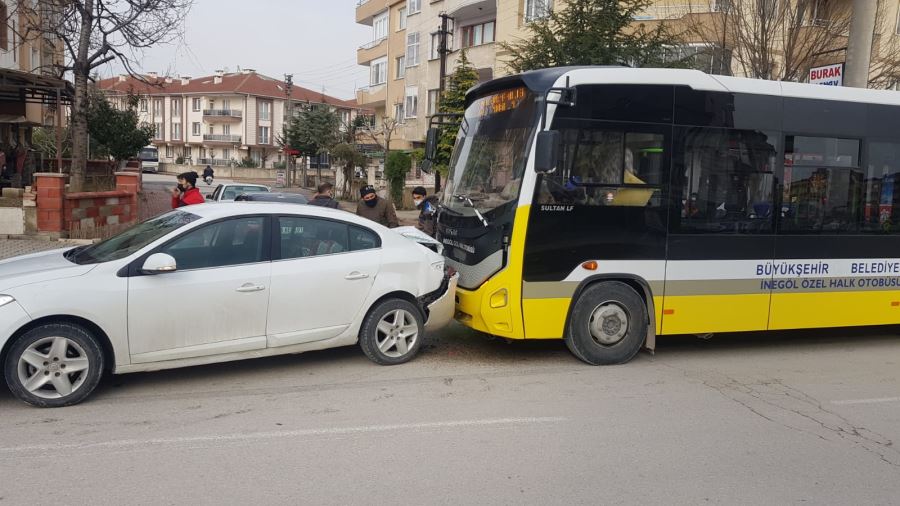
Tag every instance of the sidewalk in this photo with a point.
(14, 247)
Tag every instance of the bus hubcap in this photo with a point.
(609, 323)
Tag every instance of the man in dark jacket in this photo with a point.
(376, 209)
(325, 196)
(186, 193)
(427, 207)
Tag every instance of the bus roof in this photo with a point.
(539, 81)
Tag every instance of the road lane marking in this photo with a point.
(866, 401)
(224, 438)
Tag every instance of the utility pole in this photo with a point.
(289, 158)
(859, 45)
(444, 51)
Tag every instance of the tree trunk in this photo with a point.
(80, 100)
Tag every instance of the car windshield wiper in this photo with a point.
(468, 200)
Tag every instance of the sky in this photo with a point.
(315, 40)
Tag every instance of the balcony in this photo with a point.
(367, 9)
(371, 51)
(372, 96)
(223, 114)
(222, 139)
(215, 162)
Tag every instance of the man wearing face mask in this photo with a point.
(427, 207)
(186, 193)
(376, 209)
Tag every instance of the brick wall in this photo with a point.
(58, 211)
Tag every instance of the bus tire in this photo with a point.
(608, 324)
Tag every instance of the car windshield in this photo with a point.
(131, 240)
(149, 155)
(491, 150)
(233, 191)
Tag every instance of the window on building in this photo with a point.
(212, 129)
(380, 26)
(169, 152)
(401, 19)
(176, 131)
(143, 105)
(264, 135)
(35, 59)
(157, 107)
(265, 111)
(413, 6)
(433, 97)
(727, 185)
(411, 107)
(187, 151)
(401, 67)
(823, 185)
(176, 107)
(378, 72)
(226, 154)
(195, 128)
(477, 35)
(709, 58)
(195, 104)
(160, 131)
(412, 49)
(434, 52)
(226, 129)
(398, 113)
(537, 9)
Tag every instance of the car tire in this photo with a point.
(392, 332)
(607, 325)
(54, 365)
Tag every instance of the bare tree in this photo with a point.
(381, 133)
(769, 39)
(97, 32)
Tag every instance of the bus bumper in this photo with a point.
(489, 309)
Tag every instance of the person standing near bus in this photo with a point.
(377, 209)
(427, 207)
(186, 193)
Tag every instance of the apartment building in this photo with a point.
(222, 119)
(29, 61)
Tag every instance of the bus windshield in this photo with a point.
(491, 149)
(149, 155)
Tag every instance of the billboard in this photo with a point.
(828, 75)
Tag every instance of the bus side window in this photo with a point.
(882, 207)
(726, 180)
(602, 166)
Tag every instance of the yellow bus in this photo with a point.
(607, 206)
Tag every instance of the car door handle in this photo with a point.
(249, 287)
(356, 275)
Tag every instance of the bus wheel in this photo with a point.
(608, 324)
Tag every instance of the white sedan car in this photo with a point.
(213, 283)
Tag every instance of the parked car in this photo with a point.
(229, 191)
(215, 283)
(284, 198)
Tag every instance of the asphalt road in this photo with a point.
(787, 418)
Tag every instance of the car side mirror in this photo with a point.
(546, 152)
(159, 263)
(431, 143)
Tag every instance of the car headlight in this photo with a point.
(438, 266)
(6, 299)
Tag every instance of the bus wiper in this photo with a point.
(468, 201)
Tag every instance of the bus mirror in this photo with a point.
(546, 153)
(431, 144)
(426, 166)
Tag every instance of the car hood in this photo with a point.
(414, 234)
(38, 267)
